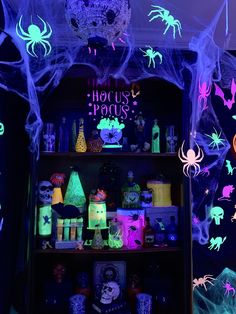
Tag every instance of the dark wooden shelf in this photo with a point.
(109, 251)
(107, 154)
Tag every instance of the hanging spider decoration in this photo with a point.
(167, 18)
(204, 92)
(216, 140)
(151, 54)
(191, 160)
(35, 36)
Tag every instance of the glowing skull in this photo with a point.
(110, 292)
(45, 191)
(217, 213)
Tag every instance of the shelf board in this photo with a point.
(107, 154)
(109, 251)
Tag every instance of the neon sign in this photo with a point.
(111, 104)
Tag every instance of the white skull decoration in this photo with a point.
(49, 142)
(45, 191)
(110, 292)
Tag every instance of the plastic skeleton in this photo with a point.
(191, 160)
(35, 36)
(216, 140)
(204, 92)
(202, 281)
(228, 288)
(151, 54)
(167, 18)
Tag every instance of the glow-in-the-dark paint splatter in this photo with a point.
(204, 92)
(227, 102)
(226, 193)
(217, 214)
(215, 243)
(228, 288)
(35, 36)
(191, 159)
(202, 281)
(1, 128)
(216, 140)
(229, 167)
(164, 15)
(151, 54)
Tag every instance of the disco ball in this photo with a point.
(98, 22)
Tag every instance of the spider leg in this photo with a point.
(142, 50)
(186, 170)
(33, 54)
(18, 25)
(210, 282)
(184, 159)
(196, 170)
(153, 62)
(204, 286)
(155, 16)
(43, 42)
(45, 28)
(168, 26)
(149, 63)
(200, 154)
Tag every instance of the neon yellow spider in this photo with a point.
(152, 55)
(167, 18)
(35, 36)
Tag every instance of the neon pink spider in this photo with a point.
(228, 288)
(191, 160)
(204, 92)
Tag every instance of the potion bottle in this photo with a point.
(81, 146)
(155, 137)
(73, 136)
(160, 232)
(172, 232)
(63, 136)
(148, 234)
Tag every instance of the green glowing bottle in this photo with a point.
(155, 137)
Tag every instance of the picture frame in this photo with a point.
(104, 271)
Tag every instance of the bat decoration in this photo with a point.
(229, 102)
(66, 211)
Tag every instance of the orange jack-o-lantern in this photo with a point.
(234, 143)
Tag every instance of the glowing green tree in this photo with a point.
(75, 193)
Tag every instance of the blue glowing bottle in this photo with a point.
(160, 232)
(172, 232)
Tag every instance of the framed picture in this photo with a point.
(105, 271)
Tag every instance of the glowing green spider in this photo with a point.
(216, 140)
(167, 18)
(152, 55)
(35, 36)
